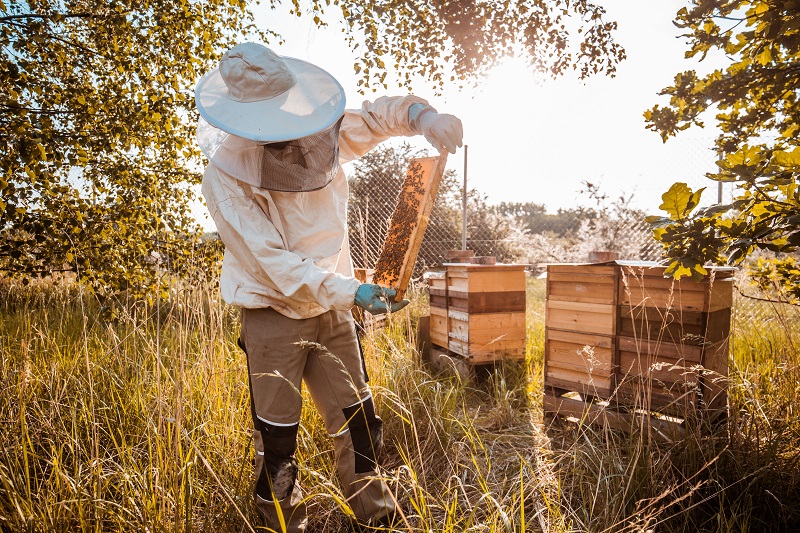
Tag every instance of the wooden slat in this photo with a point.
(581, 284)
(721, 295)
(581, 317)
(409, 222)
(595, 414)
(487, 302)
(480, 278)
(680, 401)
(568, 268)
(578, 381)
(692, 354)
(658, 367)
(465, 268)
(580, 356)
(476, 351)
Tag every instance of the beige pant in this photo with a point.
(323, 352)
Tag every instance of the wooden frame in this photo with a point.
(408, 223)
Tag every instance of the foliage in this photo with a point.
(98, 154)
(97, 114)
(430, 39)
(535, 218)
(780, 277)
(758, 113)
(608, 226)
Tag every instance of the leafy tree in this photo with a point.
(98, 150)
(97, 115)
(429, 39)
(535, 218)
(757, 106)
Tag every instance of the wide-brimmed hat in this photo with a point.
(259, 95)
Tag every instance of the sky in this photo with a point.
(534, 139)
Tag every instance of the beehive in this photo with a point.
(621, 331)
(581, 322)
(478, 311)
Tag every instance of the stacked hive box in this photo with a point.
(622, 331)
(478, 311)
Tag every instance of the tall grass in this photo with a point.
(142, 424)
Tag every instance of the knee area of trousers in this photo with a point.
(366, 433)
(277, 477)
(280, 442)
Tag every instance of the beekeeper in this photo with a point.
(275, 131)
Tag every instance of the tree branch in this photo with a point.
(40, 16)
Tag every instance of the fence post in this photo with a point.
(464, 204)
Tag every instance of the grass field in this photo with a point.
(142, 424)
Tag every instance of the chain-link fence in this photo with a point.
(522, 232)
(525, 232)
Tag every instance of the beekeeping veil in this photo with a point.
(270, 121)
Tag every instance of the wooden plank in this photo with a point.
(676, 400)
(657, 367)
(692, 354)
(457, 283)
(441, 311)
(578, 383)
(581, 356)
(581, 284)
(600, 415)
(601, 382)
(487, 302)
(439, 339)
(603, 341)
(664, 298)
(466, 268)
(496, 280)
(409, 222)
(499, 349)
(715, 380)
(581, 275)
(482, 359)
(581, 317)
(567, 268)
(721, 295)
(438, 324)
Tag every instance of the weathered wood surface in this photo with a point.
(625, 333)
(599, 415)
(409, 222)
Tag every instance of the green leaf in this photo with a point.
(788, 160)
(679, 201)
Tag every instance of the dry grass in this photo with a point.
(142, 425)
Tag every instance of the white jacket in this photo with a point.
(289, 250)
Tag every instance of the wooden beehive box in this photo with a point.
(673, 339)
(580, 327)
(622, 331)
(478, 311)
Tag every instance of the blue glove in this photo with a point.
(374, 298)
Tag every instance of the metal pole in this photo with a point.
(719, 184)
(464, 204)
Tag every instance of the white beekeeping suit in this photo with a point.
(275, 131)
